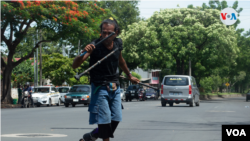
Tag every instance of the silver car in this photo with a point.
(63, 91)
(179, 89)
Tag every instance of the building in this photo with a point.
(150, 77)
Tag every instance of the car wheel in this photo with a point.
(66, 104)
(48, 105)
(192, 103)
(171, 104)
(130, 99)
(38, 105)
(85, 104)
(59, 102)
(198, 103)
(163, 104)
(73, 105)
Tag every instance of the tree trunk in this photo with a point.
(178, 66)
(6, 91)
(183, 67)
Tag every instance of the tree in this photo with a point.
(58, 19)
(59, 69)
(170, 37)
(126, 12)
(216, 4)
(24, 72)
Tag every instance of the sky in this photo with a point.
(148, 7)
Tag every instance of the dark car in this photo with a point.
(78, 94)
(151, 94)
(132, 92)
(248, 96)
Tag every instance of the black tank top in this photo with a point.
(108, 70)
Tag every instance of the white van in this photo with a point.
(179, 89)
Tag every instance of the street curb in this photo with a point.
(5, 106)
(209, 97)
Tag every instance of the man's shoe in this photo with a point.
(92, 136)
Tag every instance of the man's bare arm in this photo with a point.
(124, 67)
(123, 64)
(80, 59)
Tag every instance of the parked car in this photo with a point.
(151, 94)
(122, 94)
(179, 89)
(46, 95)
(132, 92)
(63, 91)
(78, 94)
(248, 96)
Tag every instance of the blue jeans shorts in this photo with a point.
(104, 106)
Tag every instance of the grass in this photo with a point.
(218, 93)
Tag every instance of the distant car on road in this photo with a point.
(78, 94)
(179, 89)
(63, 91)
(46, 95)
(248, 96)
(151, 94)
(132, 92)
(122, 94)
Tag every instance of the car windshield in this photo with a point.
(41, 90)
(176, 81)
(80, 89)
(132, 87)
(150, 90)
(63, 90)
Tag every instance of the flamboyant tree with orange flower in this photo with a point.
(59, 19)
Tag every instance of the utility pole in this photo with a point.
(34, 65)
(40, 59)
(37, 61)
(190, 67)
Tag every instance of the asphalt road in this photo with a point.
(142, 121)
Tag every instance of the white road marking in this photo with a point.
(223, 111)
(33, 135)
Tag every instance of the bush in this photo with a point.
(211, 83)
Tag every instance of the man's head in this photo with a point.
(107, 27)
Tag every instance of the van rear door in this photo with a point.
(176, 86)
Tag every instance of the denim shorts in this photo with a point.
(104, 106)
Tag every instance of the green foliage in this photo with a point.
(219, 5)
(83, 80)
(24, 72)
(207, 83)
(59, 69)
(133, 74)
(136, 75)
(126, 12)
(170, 37)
